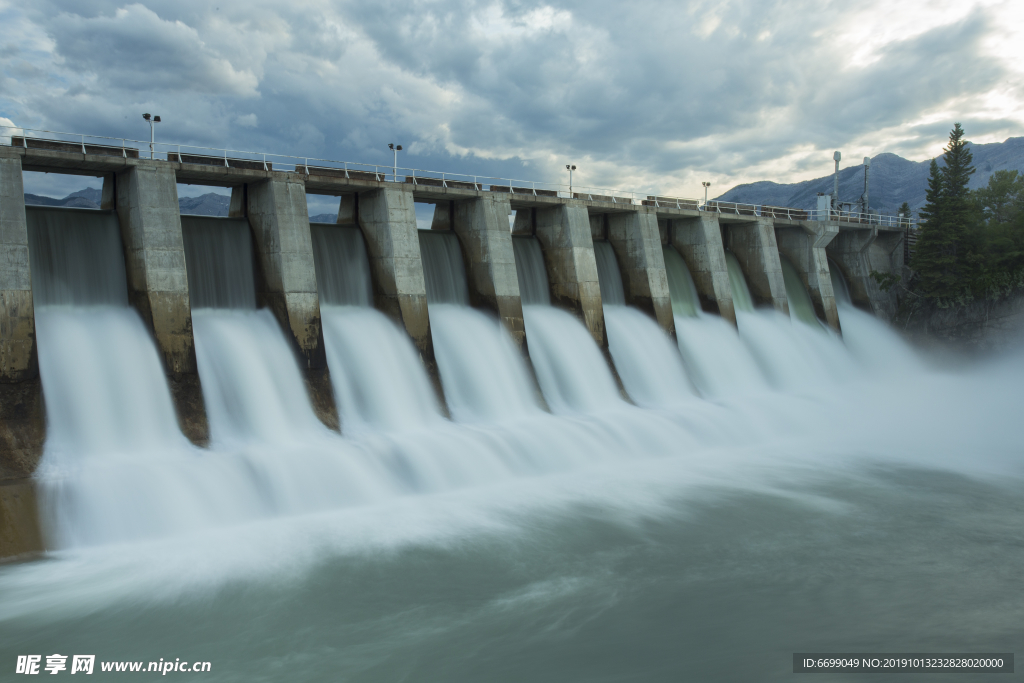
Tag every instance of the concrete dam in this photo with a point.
(135, 330)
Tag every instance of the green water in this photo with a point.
(722, 586)
(740, 292)
(839, 286)
(800, 306)
(685, 301)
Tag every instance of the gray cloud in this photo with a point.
(648, 94)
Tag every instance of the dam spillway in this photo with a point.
(324, 451)
(266, 327)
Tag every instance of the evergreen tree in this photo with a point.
(947, 257)
(932, 259)
(904, 211)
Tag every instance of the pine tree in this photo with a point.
(904, 211)
(932, 256)
(945, 259)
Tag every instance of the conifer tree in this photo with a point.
(932, 255)
(904, 210)
(944, 259)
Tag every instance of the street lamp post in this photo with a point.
(570, 168)
(152, 134)
(396, 149)
(835, 192)
(706, 185)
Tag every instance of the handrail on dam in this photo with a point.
(232, 158)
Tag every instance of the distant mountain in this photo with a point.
(209, 204)
(892, 180)
(89, 198)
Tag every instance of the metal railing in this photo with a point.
(235, 158)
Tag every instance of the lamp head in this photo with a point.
(867, 161)
(837, 156)
(399, 148)
(391, 145)
(156, 119)
(146, 116)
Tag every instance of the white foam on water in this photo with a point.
(647, 361)
(378, 380)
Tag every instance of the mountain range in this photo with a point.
(892, 180)
(210, 204)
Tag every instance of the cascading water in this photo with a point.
(483, 374)
(715, 358)
(251, 384)
(793, 357)
(443, 269)
(650, 368)
(378, 380)
(875, 345)
(219, 262)
(570, 369)
(685, 300)
(342, 267)
(839, 286)
(105, 389)
(608, 275)
(530, 271)
(800, 306)
(741, 299)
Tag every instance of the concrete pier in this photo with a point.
(19, 521)
(482, 227)
(753, 242)
(387, 218)
(147, 208)
(804, 247)
(17, 321)
(279, 219)
(22, 419)
(564, 234)
(636, 240)
(858, 252)
(699, 240)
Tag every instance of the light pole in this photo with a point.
(152, 134)
(396, 149)
(706, 185)
(835, 193)
(570, 168)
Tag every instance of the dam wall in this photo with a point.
(804, 247)
(273, 202)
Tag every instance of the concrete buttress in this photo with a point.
(699, 241)
(564, 235)
(387, 217)
(635, 237)
(860, 251)
(482, 228)
(753, 243)
(22, 417)
(147, 209)
(279, 219)
(804, 247)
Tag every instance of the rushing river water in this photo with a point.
(781, 490)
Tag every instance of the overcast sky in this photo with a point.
(647, 96)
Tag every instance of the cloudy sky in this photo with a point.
(649, 96)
